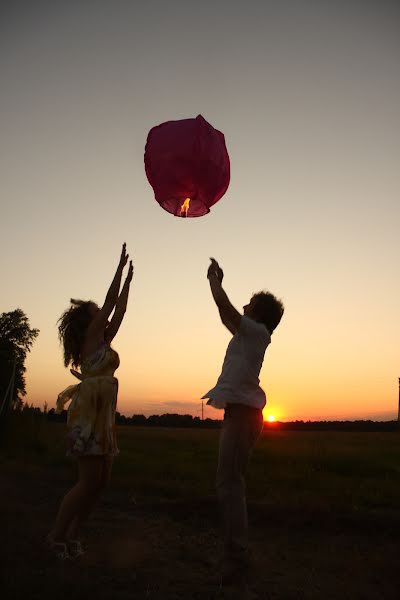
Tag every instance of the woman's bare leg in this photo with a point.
(80, 496)
(82, 515)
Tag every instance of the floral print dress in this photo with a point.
(91, 414)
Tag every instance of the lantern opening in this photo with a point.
(185, 208)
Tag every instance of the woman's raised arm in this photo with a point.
(120, 308)
(101, 318)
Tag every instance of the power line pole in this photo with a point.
(10, 390)
(202, 406)
(398, 414)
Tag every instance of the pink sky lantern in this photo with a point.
(187, 165)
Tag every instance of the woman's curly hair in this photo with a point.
(72, 328)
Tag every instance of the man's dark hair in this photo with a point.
(268, 309)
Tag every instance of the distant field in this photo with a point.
(324, 516)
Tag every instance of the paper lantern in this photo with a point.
(187, 165)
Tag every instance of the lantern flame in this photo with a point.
(185, 208)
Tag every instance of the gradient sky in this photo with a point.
(307, 94)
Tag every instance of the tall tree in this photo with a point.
(16, 339)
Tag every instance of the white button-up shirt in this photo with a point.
(239, 381)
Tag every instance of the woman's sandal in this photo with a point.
(75, 548)
(59, 549)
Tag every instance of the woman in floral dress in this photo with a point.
(86, 333)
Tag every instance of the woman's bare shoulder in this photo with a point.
(91, 346)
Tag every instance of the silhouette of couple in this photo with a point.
(86, 332)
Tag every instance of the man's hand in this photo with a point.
(228, 313)
(214, 270)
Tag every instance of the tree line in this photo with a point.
(177, 420)
(16, 340)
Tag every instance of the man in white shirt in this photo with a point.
(238, 392)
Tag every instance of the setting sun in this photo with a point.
(271, 418)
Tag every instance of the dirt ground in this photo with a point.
(168, 550)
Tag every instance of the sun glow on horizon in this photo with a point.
(272, 414)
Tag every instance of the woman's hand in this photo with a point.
(124, 256)
(120, 308)
(100, 322)
(76, 374)
(130, 272)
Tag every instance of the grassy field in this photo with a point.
(324, 517)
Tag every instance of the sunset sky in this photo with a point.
(307, 94)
